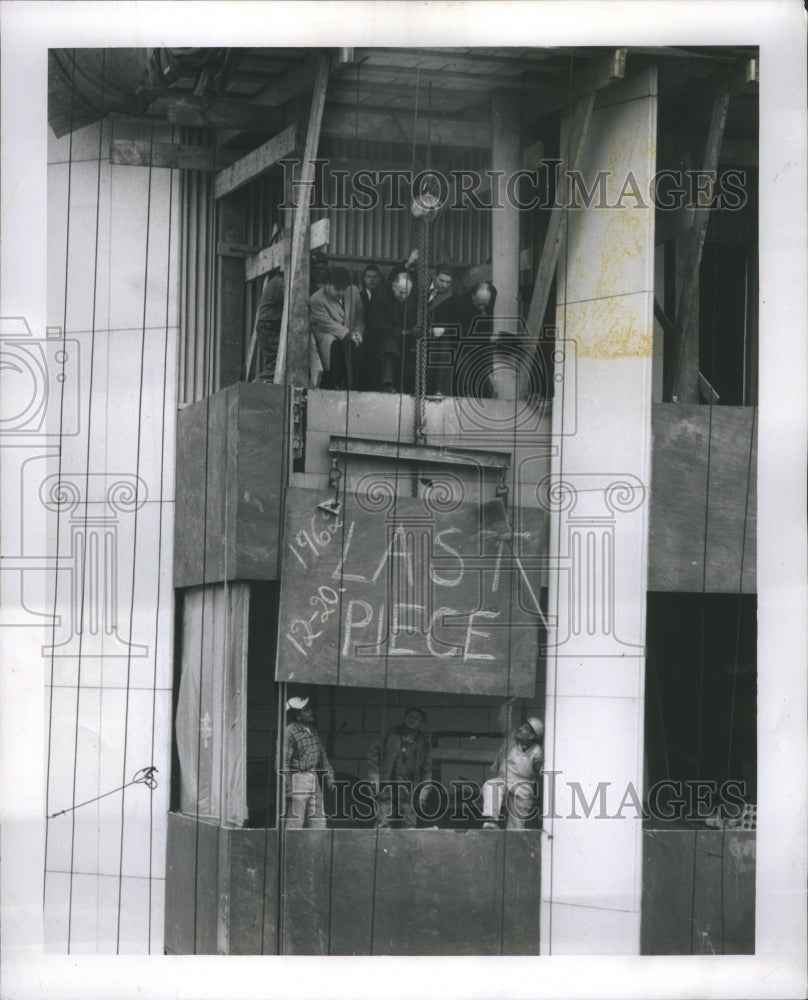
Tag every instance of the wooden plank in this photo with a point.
(452, 61)
(421, 454)
(228, 524)
(553, 237)
(369, 73)
(257, 504)
(459, 885)
(192, 902)
(292, 365)
(682, 435)
(607, 71)
(255, 163)
(138, 153)
(296, 81)
(252, 891)
(669, 858)
(289, 84)
(230, 113)
(271, 257)
(230, 297)
(234, 705)
(386, 125)
(464, 755)
(687, 303)
(463, 618)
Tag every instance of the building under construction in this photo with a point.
(549, 514)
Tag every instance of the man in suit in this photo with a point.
(393, 315)
(371, 285)
(371, 290)
(336, 325)
(475, 315)
(444, 322)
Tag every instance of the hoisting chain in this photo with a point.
(422, 321)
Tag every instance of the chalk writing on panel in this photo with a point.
(399, 595)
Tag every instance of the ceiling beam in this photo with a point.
(427, 59)
(370, 72)
(222, 112)
(177, 156)
(295, 81)
(388, 125)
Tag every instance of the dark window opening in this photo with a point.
(727, 341)
(262, 706)
(701, 691)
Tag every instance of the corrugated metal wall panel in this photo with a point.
(198, 358)
(197, 240)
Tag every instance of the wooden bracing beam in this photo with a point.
(256, 162)
(292, 366)
(686, 304)
(270, 257)
(267, 260)
(177, 156)
(607, 71)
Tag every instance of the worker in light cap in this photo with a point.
(518, 776)
(304, 762)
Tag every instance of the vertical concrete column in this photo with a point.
(598, 498)
(505, 161)
(113, 282)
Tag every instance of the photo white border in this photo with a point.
(778, 969)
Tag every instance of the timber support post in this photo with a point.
(293, 353)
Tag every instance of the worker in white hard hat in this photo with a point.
(518, 775)
(304, 761)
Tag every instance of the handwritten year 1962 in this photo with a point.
(315, 540)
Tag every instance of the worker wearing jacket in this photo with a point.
(397, 766)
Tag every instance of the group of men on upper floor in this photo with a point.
(369, 339)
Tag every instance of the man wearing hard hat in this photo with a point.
(304, 760)
(518, 769)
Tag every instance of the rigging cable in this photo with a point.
(54, 617)
(703, 603)
(274, 763)
(83, 569)
(160, 530)
(135, 530)
(205, 588)
(396, 478)
(344, 510)
(561, 410)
